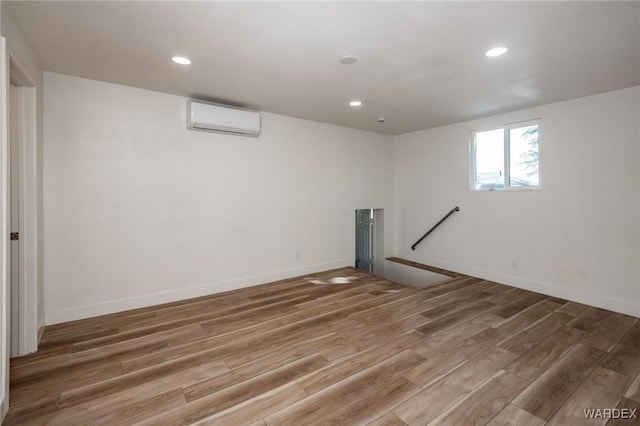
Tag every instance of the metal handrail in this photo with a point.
(453, 210)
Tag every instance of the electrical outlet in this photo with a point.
(297, 255)
(515, 263)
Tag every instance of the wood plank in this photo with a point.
(93, 410)
(495, 288)
(168, 325)
(609, 331)
(484, 402)
(462, 302)
(631, 410)
(532, 335)
(206, 406)
(142, 335)
(63, 364)
(589, 319)
(507, 297)
(211, 347)
(139, 411)
(274, 360)
(361, 323)
(335, 297)
(201, 314)
(525, 318)
(220, 325)
(112, 385)
(625, 356)
(449, 286)
(538, 359)
(602, 389)
(433, 400)
(42, 354)
(489, 319)
(452, 295)
(385, 329)
(251, 325)
(552, 388)
(26, 412)
(448, 321)
(439, 363)
(519, 305)
(572, 309)
(450, 339)
(256, 408)
(53, 339)
(50, 384)
(373, 402)
(360, 398)
(230, 346)
(634, 389)
(297, 352)
(342, 370)
(388, 419)
(515, 416)
(381, 336)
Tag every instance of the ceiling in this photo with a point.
(420, 64)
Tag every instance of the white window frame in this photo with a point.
(507, 157)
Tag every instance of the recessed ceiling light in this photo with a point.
(348, 59)
(355, 103)
(181, 60)
(496, 51)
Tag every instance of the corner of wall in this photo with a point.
(579, 255)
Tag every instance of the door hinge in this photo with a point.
(14, 236)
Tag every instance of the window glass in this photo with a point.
(489, 159)
(524, 153)
(506, 158)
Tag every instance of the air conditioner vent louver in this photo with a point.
(211, 117)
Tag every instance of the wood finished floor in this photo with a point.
(368, 351)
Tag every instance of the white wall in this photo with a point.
(577, 238)
(139, 210)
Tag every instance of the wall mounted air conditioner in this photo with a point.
(211, 117)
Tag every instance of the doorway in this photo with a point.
(22, 218)
(370, 241)
(5, 302)
(14, 213)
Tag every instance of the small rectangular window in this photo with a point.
(506, 158)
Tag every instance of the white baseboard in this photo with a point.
(598, 300)
(4, 407)
(41, 326)
(32, 338)
(113, 306)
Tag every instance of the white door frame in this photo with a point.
(4, 237)
(28, 326)
(378, 243)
